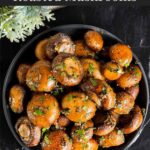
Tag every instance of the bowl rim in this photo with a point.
(61, 27)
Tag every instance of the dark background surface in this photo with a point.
(130, 23)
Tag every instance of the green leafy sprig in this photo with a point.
(18, 22)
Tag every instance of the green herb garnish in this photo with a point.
(91, 68)
(80, 132)
(101, 138)
(138, 74)
(33, 87)
(63, 74)
(74, 75)
(119, 132)
(85, 108)
(60, 66)
(46, 139)
(55, 93)
(44, 130)
(127, 65)
(38, 111)
(104, 91)
(93, 81)
(51, 78)
(69, 97)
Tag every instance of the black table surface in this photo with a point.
(130, 23)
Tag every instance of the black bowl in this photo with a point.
(26, 54)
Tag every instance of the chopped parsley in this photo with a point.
(51, 78)
(138, 74)
(57, 91)
(33, 87)
(85, 108)
(44, 130)
(46, 139)
(127, 65)
(60, 66)
(101, 138)
(80, 132)
(91, 68)
(93, 81)
(104, 91)
(63, 74)
(74, 75)
(119, 132)
(69, 97)
(38, 111)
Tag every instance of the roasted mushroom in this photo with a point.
(40, 50)
(39, 77)
(62, 122)
(114, 138)
(121, 54)
(28, 133)
(67, 69)
(59, 43)
(56, 140)
(78, 107)
(43, 110)
(132, 121)
(104, 122)
(112, 71)
(124, 103)
(16, 98)
(134, 91)
(105, 93)
(81, 50)
(91, 68)
(131, 77)
(82, 132)
(94, 40)
(21, 72)
(96, 86)
(94, 97)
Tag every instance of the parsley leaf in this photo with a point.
(69, 97)
(80, 132)
(85, 108)
(44, 130)
(38, 111)
(46, 139)
(93, 81)
(127, 65)
(101, 138)
(91, 68)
